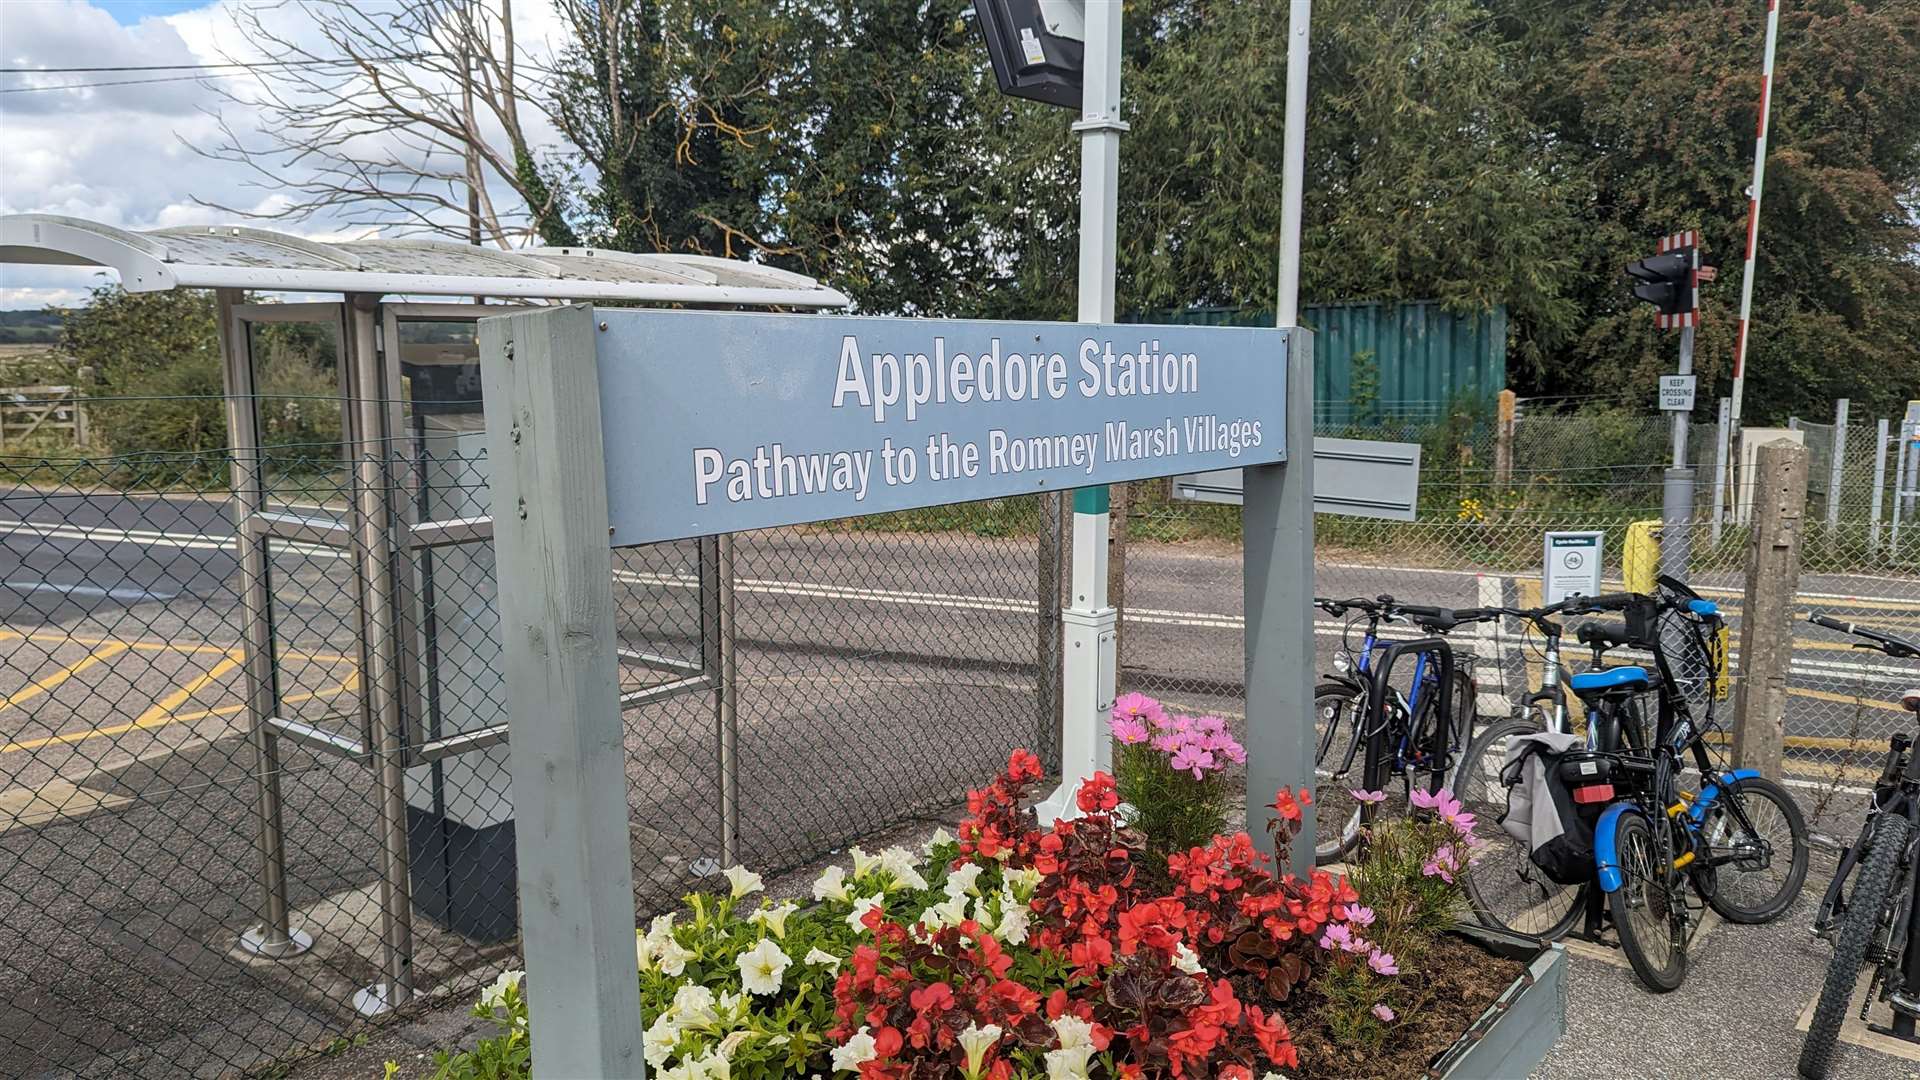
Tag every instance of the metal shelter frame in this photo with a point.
(383, 534)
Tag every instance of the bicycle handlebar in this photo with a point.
(1885, 643)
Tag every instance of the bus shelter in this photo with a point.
(412, 517)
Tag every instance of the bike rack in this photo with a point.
(1374, 773)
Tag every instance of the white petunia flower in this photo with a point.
(1186, 959)
(1068, 1063)
(859, 1048)
(831, 885)
(743, 880)
(1014, 919)
(949, 912)
(660, 1040)
(863, 863)
(1023, 881)
(976, 1041)
(495, 996)
(899, 862)
(1072, 1031)
(962, 880)
(762, 966)
(732, 1043)
(818, 955)
(860, 908)
(940, 838)
(671, 957)
(775, 918)
(692, 1006)
(730, 1001)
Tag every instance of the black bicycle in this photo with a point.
(1399, 739)
(1876, 923)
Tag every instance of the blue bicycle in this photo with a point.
(1399, 739)
(1739, 843)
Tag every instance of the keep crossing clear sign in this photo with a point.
(1572, 564)
(717, 423)
(1676, 393)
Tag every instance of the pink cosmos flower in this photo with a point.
(1190, 757)
(1423, 800)
(1375, 796)
(1358, 944)
(1234, 752)
(1360, 915)
(1383, 963)
(1442, 865)
(1382, 1013)
(1336, 936)
(1139, 707)
(1128, 729)
(1166, 744)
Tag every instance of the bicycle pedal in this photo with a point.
(1904, 1002)
(1883, 1029)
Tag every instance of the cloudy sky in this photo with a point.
(123, 154)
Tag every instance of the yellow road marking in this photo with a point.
(191, 648)
(105, 652)
(158, 714)
(346, 686)
(1844, 699)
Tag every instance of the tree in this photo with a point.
(403, 115)
(1656, 103)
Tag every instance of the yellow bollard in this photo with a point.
(1640, 563)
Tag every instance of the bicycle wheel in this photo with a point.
(1865, 911)
(1337, 713)
(1643, 906)
(1506, 889)
(1756, 888)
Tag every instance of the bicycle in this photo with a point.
(1732, 829)
(1876, 924)
(1658, 843)
(1401, 739)
(1504, 887)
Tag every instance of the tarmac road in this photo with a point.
(127, 837)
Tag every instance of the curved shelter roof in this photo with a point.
(240, 257)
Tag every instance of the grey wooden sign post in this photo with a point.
(615, 427)
(563, 692)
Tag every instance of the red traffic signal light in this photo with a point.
(1670, 281)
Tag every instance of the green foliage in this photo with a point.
(120, 336)
(1475, 151)
(35, 327)
(1173, 809)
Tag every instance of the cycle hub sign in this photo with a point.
(718, 423)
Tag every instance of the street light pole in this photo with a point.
(1088, 622)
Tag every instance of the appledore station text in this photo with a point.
(775, 420)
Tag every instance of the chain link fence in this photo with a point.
(1477, 541)
(254, 782)
(254, 787)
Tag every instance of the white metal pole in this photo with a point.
(1753, 209)
(1087, 623)
(1879, 483)
(1294, 167)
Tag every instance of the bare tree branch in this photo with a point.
(424, 145)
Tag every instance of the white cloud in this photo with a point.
(124, 155)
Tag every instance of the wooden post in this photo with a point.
(542, 392)
(1766, 630)
(1503, 443)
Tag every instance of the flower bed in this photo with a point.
(1070, 950)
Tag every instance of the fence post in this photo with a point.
(1837, 473)
(1766, 632)
(1503, 443)
(1720, 440)
(542, 392)
(1047, 627)
(1879, 483)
